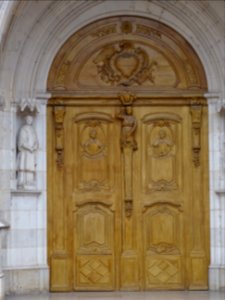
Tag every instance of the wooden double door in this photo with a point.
(127, 197)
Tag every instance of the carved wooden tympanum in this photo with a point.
(127, 161)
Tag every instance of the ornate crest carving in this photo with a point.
(124, 64)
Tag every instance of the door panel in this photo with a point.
(163, 195)
(95, 193)
(124, 217)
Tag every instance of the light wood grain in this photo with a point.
(127, 207)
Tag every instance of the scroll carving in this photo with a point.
(196, 113)
(124, 64)
(59, 113)
(128, 145)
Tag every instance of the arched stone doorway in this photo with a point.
(127, 160)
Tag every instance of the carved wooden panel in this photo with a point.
(95, 190)
(161, 148)
(163, 272)
(126, 52)
(94, 229)
(93, 152)
(94, 272)
(163, 230)
(94, 247)
(93, 243)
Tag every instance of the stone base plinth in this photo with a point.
(217, 277)
(26, 280)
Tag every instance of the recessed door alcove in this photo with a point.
(127, 160)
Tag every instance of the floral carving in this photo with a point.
(124, 64)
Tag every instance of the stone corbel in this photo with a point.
(29, 104)
(59, 113)
(196, 113)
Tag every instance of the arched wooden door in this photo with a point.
(127, 160)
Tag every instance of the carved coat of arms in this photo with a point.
(125, 64)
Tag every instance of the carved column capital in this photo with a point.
(29, 104)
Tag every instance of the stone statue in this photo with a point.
(129, 126)
(27, 145)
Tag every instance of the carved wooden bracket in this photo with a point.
(59, 112)
(196, 113)
(127, 98)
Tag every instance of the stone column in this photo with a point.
(3, 227)
(26, 266)
(217, 191)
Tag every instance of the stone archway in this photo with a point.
(26, 57)
(127, 217)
